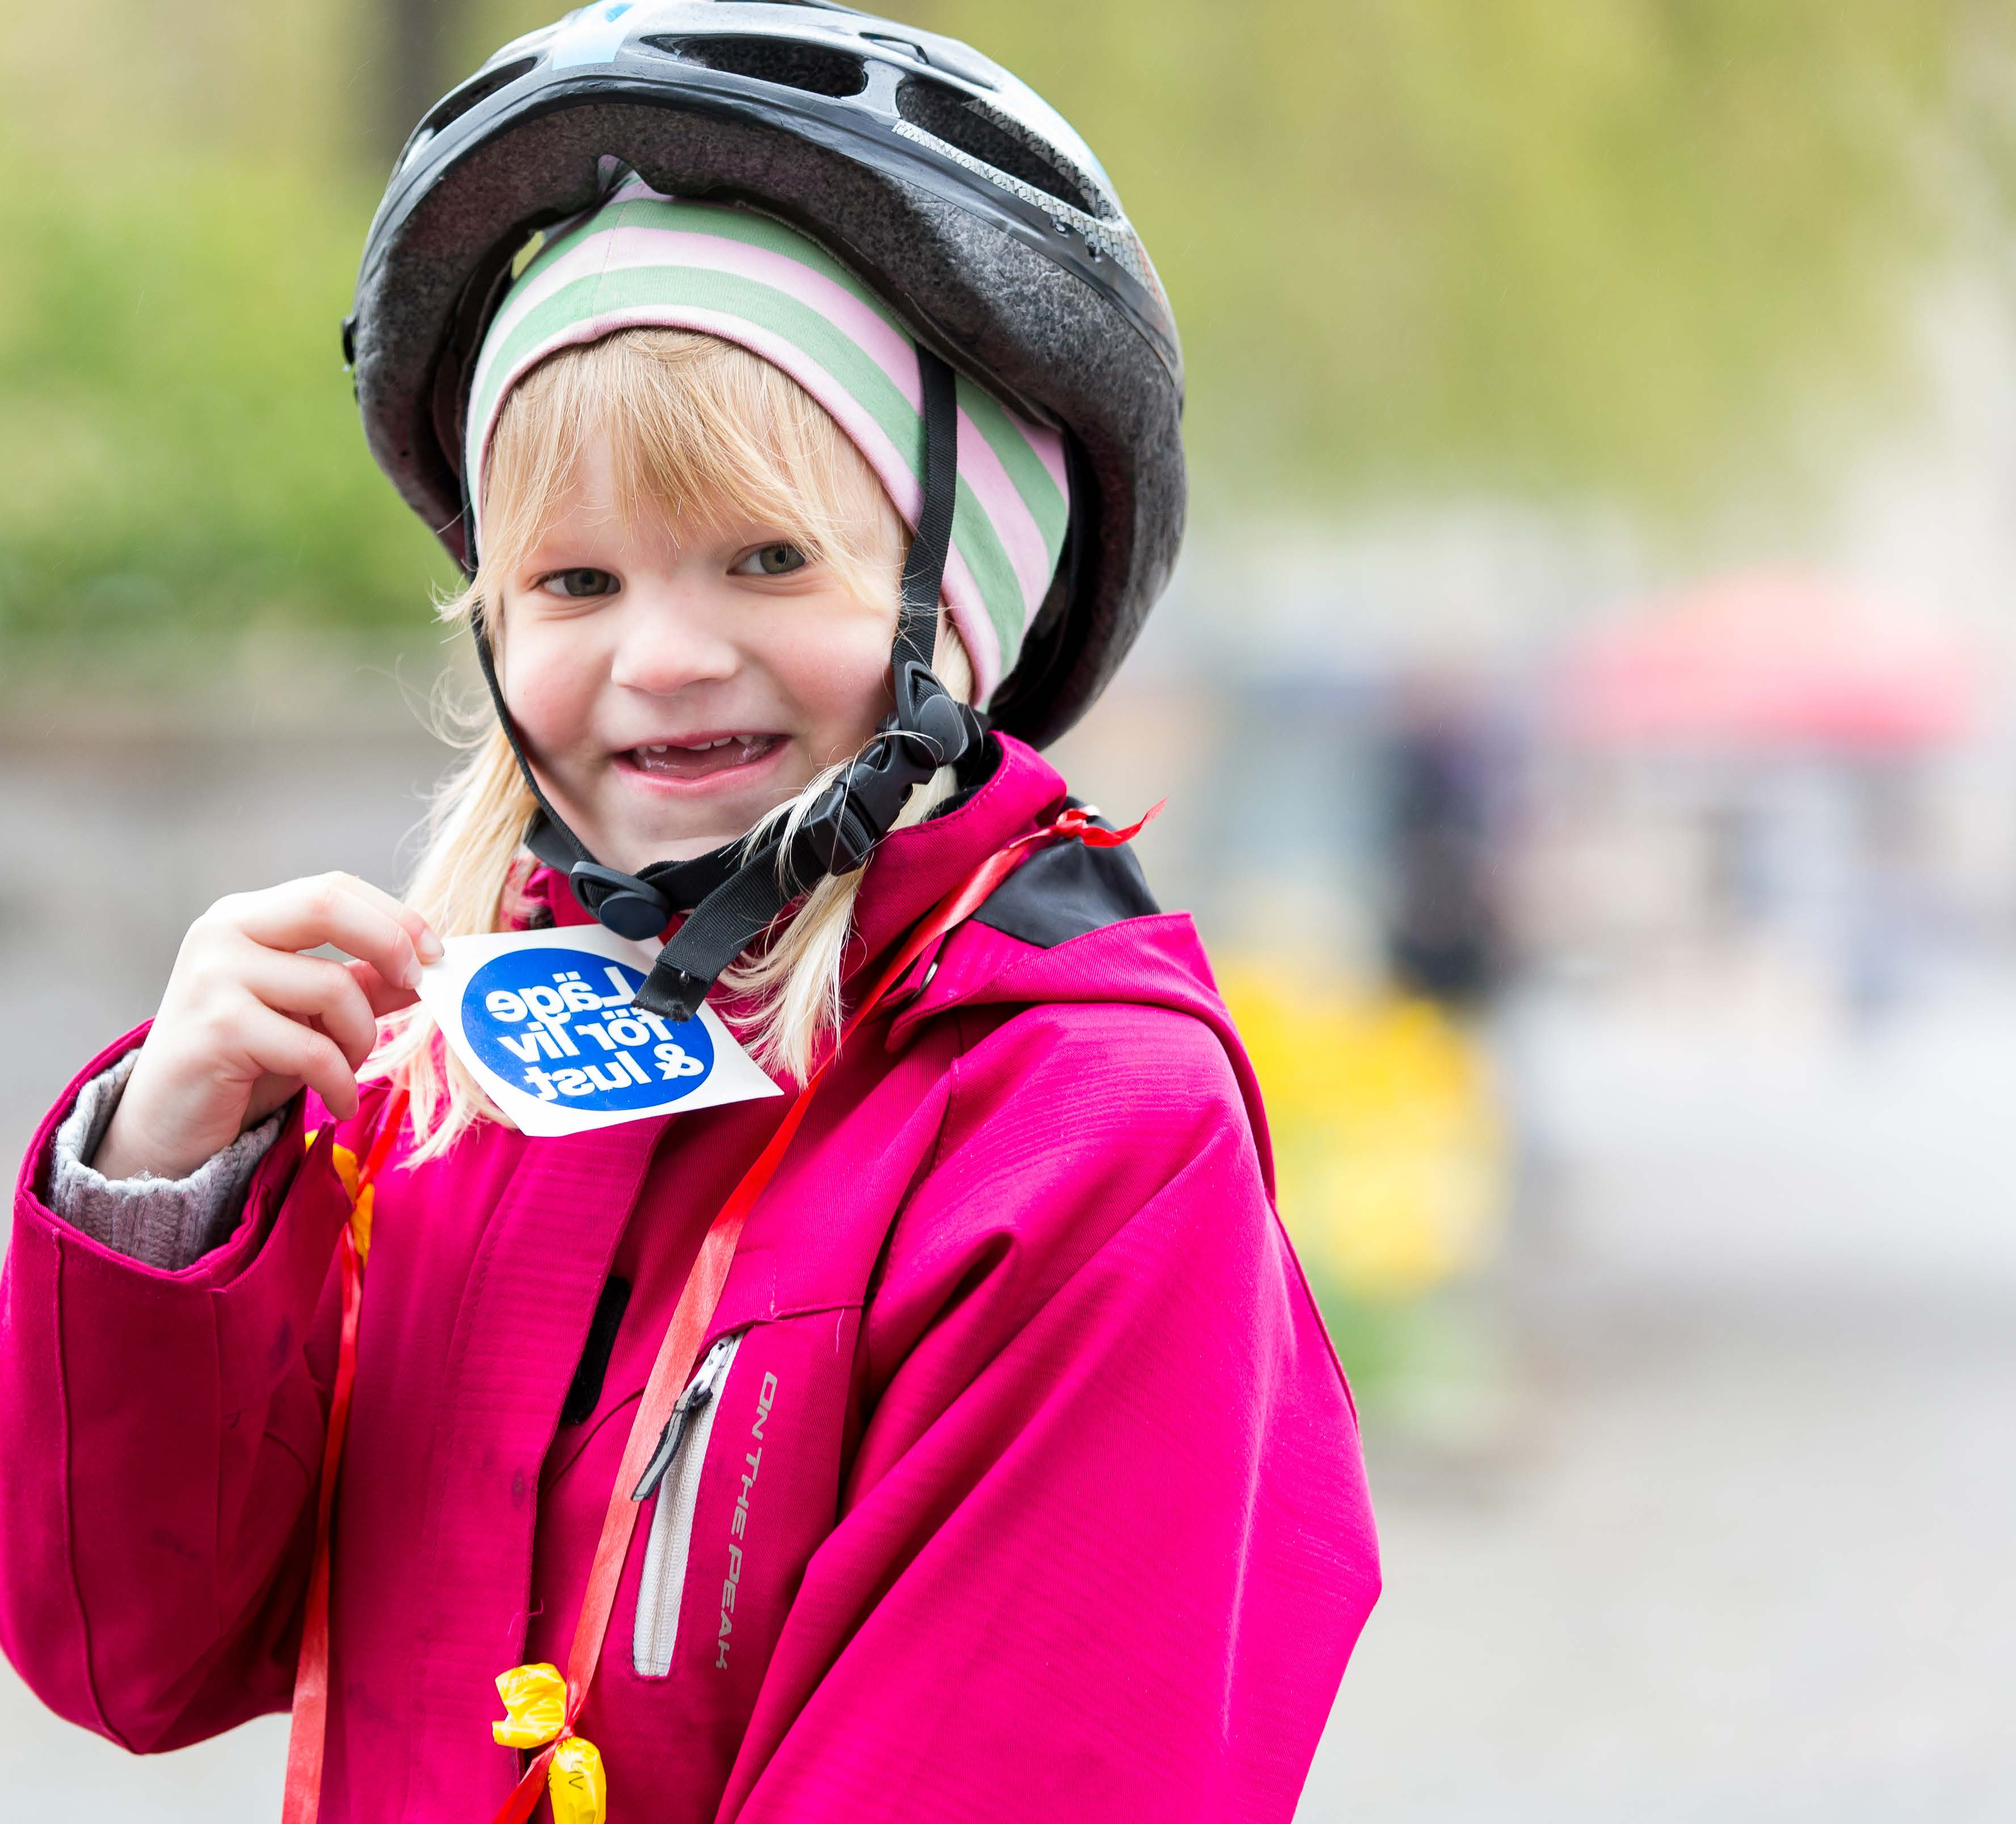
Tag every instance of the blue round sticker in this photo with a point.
(558, 1025)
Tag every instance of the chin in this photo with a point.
(642, 845)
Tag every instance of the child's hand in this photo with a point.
(247, 1020)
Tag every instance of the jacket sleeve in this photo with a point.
(1105, 1546)
(166, 1223)
(160, 1438)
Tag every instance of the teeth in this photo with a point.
(654, 749)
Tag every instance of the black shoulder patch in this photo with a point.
(1066, 890)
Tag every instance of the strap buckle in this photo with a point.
(930, 729)
(628, 906)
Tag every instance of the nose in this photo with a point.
(670, 640)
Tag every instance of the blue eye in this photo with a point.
(582, 584)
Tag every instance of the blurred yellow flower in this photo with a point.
(1390, 1154)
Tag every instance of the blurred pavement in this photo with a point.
(1748, 1558)
(1743, 1554)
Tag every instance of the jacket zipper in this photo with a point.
(675, 1468)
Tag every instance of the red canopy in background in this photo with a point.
(1769, 659)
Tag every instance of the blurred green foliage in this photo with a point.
(181, 461)
(1556, 246)
(1541, 243)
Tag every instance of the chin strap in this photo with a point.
(733, 895)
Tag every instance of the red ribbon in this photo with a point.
(303, 1796)
(1077, 821)
(695, 1312)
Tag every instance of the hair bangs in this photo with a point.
(699, 431)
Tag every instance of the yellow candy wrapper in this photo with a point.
(575, 1784)
(535, 1706)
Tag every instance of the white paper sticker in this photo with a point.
(544, 1020)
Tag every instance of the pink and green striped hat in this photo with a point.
(646, 259)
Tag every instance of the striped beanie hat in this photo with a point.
(645, 259)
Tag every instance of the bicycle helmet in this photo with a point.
(954, 192)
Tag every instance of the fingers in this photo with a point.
(339, 909)
(284, 1048)
(246, 1016)
(313, 988)
(384, 997)
(425, 943)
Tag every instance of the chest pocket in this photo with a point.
(679, 1463)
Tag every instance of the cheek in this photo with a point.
(550, 680)
(839, 676)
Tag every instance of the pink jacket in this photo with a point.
(1032, 1484)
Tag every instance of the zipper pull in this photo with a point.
(699, 1390)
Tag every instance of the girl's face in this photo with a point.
(673, 682)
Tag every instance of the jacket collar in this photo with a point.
(914, 868)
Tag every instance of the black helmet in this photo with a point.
(957, 194)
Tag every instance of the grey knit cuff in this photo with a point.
(168, 1223)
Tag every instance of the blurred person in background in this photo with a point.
(1444, 936)
(1003, 1463)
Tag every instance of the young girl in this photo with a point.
(950, 1435)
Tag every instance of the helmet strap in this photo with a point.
(734, 894)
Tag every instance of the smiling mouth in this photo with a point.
(700, 759)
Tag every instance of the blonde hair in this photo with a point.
(696, 425)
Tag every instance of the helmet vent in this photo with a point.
(815, 68)
(479, 88)
(973, 127)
